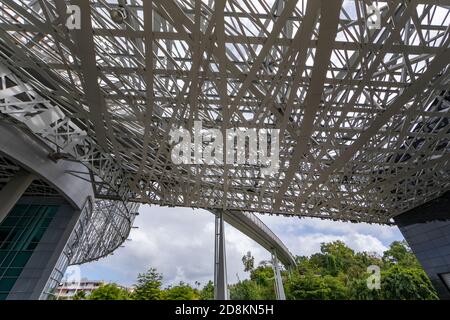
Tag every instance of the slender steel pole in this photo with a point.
(279, 289)
(220, 268)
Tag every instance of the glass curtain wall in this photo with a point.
(20, 234)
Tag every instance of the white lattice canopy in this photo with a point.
(362, 108)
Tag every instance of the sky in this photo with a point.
(179, 243)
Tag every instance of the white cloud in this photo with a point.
(179, 242)
(282, 226)
(309, 244)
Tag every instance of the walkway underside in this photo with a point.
(255, 229)
(363, 111)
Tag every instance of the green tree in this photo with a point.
(109, 292)
(182, 291)
(79, 295)
(337, 287)
(245, 290)
(264, 278)
(207, 293)
(148, 286)
(400, 253)
(304, 265)
(307, 286)
(336, 257)
(249, 262)
(365, 259)
(358, 290)
(401, 283)
(262, 275)
(336, 272)
(311, 286)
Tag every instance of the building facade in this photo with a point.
(67, 290)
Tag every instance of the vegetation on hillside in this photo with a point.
(336, 272)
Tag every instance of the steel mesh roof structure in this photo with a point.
(363, 111)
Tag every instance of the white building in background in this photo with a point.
(68, 289)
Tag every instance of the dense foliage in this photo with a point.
(148, 286)
(109, 292)
(336, 272)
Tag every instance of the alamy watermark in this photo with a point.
(73, 21)
(374, 280)
(240, 146)
(374, 17)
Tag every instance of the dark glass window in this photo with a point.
(20, 234)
